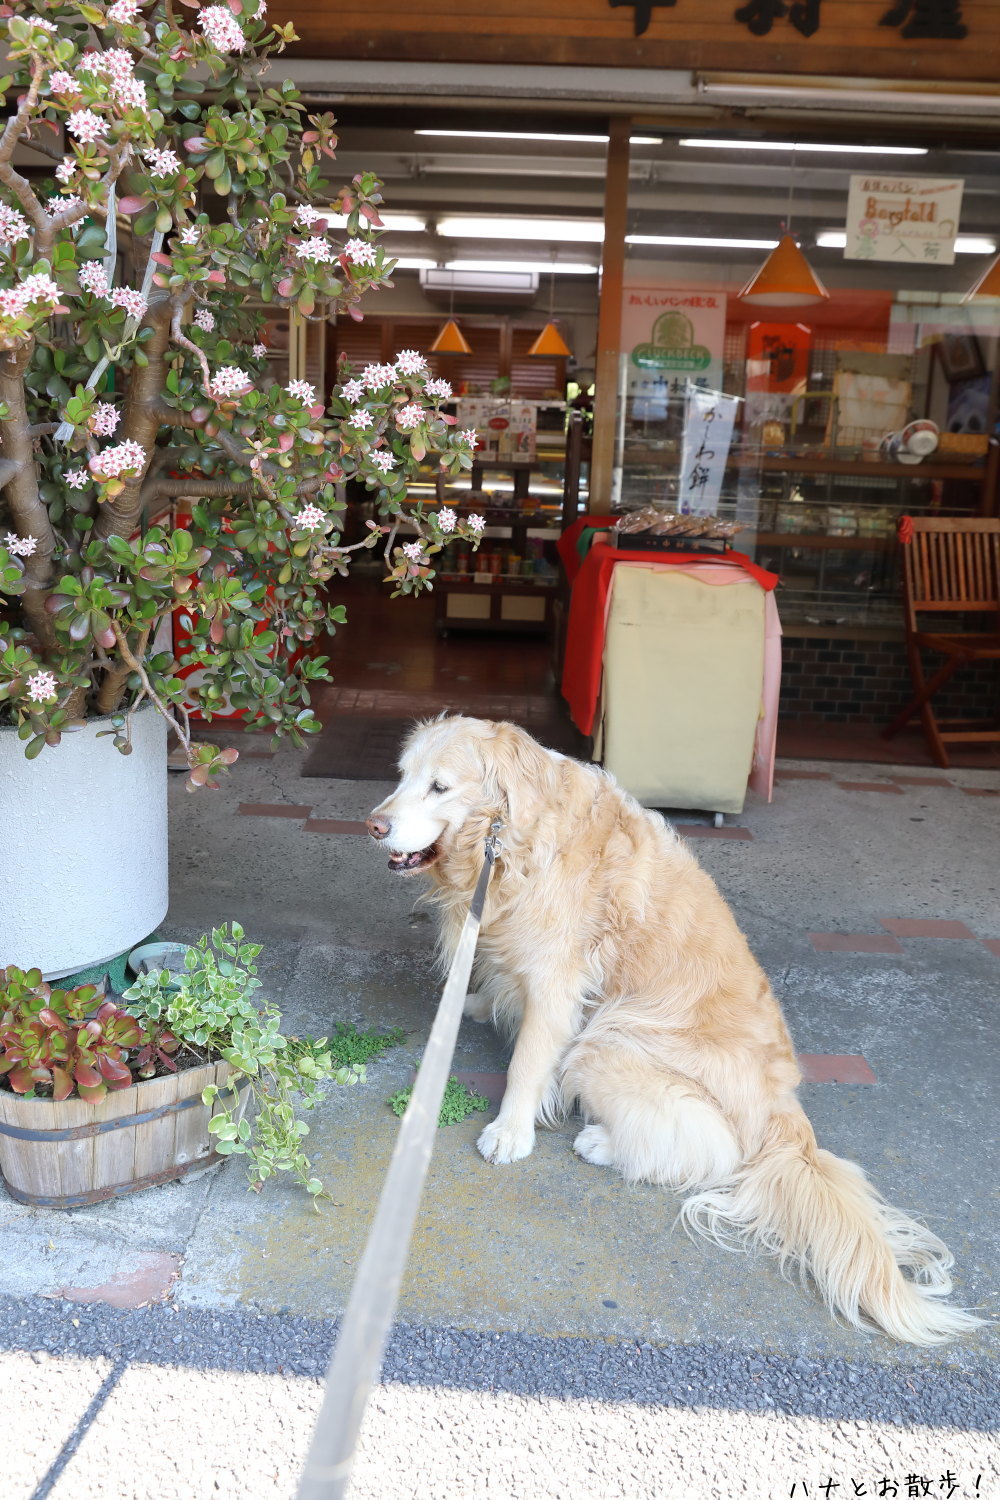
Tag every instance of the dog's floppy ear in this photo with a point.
(518, 775)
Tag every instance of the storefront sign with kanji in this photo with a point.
(708, 432)
(909, 220)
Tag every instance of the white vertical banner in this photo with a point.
(708, 434)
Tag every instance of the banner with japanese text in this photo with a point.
(913, 220)
(708, 433)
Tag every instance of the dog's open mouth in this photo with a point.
(412, 864)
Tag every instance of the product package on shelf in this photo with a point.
(505, 429)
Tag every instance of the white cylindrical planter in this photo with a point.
(83, 839)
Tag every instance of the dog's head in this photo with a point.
(458, 775)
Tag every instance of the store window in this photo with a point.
(829, 419)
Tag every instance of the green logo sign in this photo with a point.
(672, 347)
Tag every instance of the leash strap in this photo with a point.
(357, 1357)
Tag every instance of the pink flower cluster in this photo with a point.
(229, 381)
(259, 351)
(476, 523)
(133, 302)
(20, 546)
(94, 279)
(130, 93)
(360, 252)
(77, 479)
(352, 390)
(165, 163)
(62, 82)
(104, 419)
(66, 170)
(446, 520)
(439, 388)
(126, 458)
(86, 126)
(309, 518)
(41, 687)
(302, 391)
(190, 234)
(204, 320)
(383, 461)
(13, 226)
(361, 418)
(409, 362)
(411, 416)
(470, 436)
(123, 12)
(221, 28)
(306, 215)
(60, 203)
(315, 249)
(40, 287)
(413, 551)
(377, 377)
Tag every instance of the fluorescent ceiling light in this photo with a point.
(700, 241)
(398, 223)
(965, 244)
(414, 263)
(535, 267)
(708, 144)
(538, 135)
(830, 95)
(472, 227)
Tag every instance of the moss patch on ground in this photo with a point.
(458, 1102)
(353, 1048)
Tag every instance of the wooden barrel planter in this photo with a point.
(71, 1153)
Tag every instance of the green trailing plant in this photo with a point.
(457, 1104)
(353, 1048)
(216, 1014)
(55, 1043)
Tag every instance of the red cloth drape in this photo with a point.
(581, 684)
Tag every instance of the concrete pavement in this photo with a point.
(550, 1254)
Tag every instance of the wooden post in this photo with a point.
(609, 322)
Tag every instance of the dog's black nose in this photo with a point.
(377, 827)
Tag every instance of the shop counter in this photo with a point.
(673, 665)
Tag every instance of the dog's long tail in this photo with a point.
(824, 1219)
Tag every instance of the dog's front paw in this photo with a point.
(478, 1007)
(501, 1143)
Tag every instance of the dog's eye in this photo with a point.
(438, 788)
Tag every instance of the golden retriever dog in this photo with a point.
(634, 996)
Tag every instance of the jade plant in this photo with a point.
(148, 460)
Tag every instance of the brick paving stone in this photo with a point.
(932, 928)
(853, 942)
(273, 810)
(333, 825)
(993, 944)
(980, 791)
(784, 773)
(828, 1067)
(870, 786)
(923, 781)
(701, 831)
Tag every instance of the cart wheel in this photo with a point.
(720, 818)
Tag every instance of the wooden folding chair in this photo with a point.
(951, 567)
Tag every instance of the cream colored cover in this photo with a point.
(683, 674)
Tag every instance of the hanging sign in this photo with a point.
(670, 338)
(708, 433)
(913, 220)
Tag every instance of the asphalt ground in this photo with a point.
(557, 1335)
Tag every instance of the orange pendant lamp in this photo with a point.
(786, 279)
(988, 284)
(550, 343)
(451, 340)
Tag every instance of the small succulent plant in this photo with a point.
(63, 1041)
